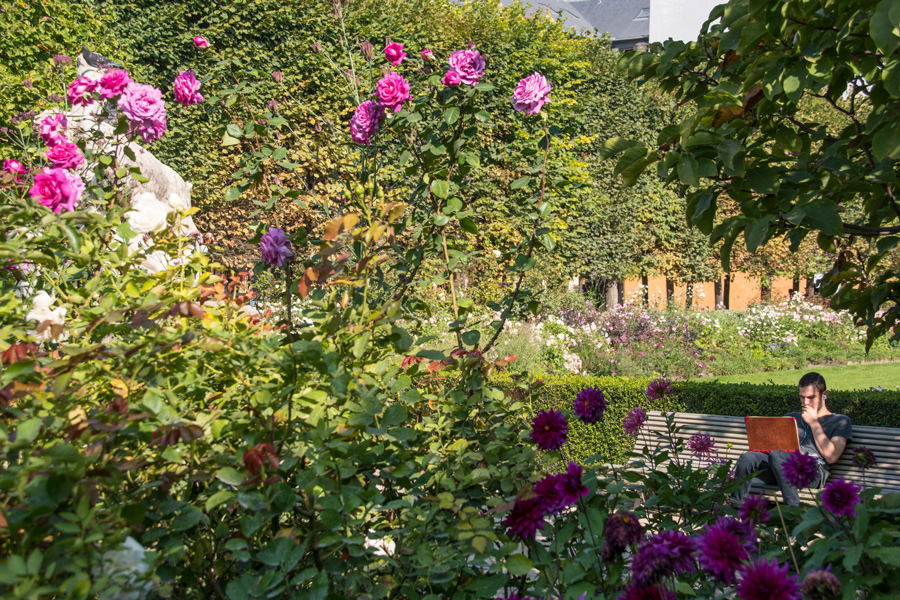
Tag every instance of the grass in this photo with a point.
(843, 377)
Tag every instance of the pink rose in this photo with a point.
(113, 83)
(11, 165)
(531, 94)
(53, 129)
(452, 79)
(145, 108)
(468, 64)
(395, 54)
(54, 189)
(427, 54)
(200, 42)
(65, 155)
(392, 90)
(364, 122)
(187, 89)
(81, 91)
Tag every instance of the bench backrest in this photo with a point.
(883, 441)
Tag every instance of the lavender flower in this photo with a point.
(659, 389)
(820, 584)
(765, 580)
(753, 510)
(664, 554)
(800, 469)
(275, 247)
(841, 497)
(62, 60)
(634, 421)
(468, 64)
(549, 429)
(569, 485)
(525, 518)
(590, 403)
(278, 76)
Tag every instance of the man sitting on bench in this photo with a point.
(822, 434)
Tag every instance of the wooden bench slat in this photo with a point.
(882, 441)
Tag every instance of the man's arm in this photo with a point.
(830, 448)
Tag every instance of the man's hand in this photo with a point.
(809, 415)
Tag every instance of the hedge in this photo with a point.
(609, 441)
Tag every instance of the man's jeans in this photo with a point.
(770, 465)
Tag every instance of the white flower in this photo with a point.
(179, 202)
(497, 253)
(127, 566)
(149, 214)
(40, 312)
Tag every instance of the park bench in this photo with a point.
(884, 442)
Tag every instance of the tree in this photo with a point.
(750, 137)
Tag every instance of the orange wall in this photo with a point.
(744, 291)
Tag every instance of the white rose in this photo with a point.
(41, 312)
(179, 202)
(127, 566)
(149, 214)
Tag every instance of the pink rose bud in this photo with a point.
(394, 53)
(427, 54)
(200, 42)
(452, 79)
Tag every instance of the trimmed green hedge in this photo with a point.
(607, 439)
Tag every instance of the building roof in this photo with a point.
(621, 19)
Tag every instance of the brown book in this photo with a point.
(765, 434)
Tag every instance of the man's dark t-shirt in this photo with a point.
(833, 425)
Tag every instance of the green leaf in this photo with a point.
(519, 564)
(451, 115)
(414, 117)
(361, 343)
(230, 476)
(519, 183)
(881, 28)
(232, 194)
(218, 498)
(468, 225)
(763, 180)
(891, 77)
(886, 554)
(440, 188)
(471, 338)
(614, 146)
(228, 140)
(757, 233)
(233, 130)
(688, 171)
(822, 214)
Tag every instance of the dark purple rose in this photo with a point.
(841, 497)
(525, 518)
(664, 554)
(590, 403)
(765, 580)
(634, 421)
(275, 247)
(800, 469)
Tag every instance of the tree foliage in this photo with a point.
(792, 117)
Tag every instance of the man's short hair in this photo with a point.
(815, 379)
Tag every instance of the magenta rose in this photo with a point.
(392, 90)
(200, 42)
(394, 53)
(187, 89)
(55, 189)
(531, 94)
(427, 54)
(11, 165)
(81, 91)
(53, 129)
(364, 122)
(452, 79)
(145, 108)
(113, 83)
(468, 64)
(65, 155)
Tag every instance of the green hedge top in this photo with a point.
(870, 408)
